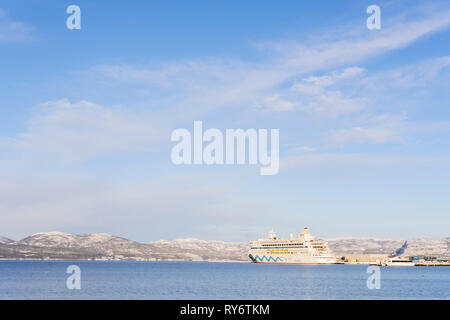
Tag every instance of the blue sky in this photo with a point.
(86, 117)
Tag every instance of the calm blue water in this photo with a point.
(202, 280)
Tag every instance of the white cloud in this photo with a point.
(204, 85)
(384, 128)
(332, 103)
(301, 149)
(13, 31)
(339, 161)
(406, 77)
(356, 46)
(198, 87)
(76, 131)
(365, 135)
(276, 103)
(376, 129)
(312, 94)
(332, 78)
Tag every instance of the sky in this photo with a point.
(86, 118)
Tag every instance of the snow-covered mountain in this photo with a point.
(66, 240)
(212, 250)
(58, 245)
(415, 247)
(5, 240)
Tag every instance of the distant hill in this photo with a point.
(439, 247)
(5, 240)
(59, 245)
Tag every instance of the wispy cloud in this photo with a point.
(77, 131)
(300, 149)
(326, 80)
(12, 30)
(292, 82)
(379, 129)
(407, 77)
(272, 84)
(335, 110)
(315, 94)
(342, 47)
(338, 161)
(365, 135)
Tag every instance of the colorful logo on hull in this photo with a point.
(265, 259)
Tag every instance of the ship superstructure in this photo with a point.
(304, 249)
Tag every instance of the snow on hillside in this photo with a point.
(415, 247)
(5, 240)
(212, 250)
(59, 245)
(193, 243)
(65, 240)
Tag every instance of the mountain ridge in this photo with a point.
(104, 246)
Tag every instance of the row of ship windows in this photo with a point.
(273, 246)
(286, 246)
(290, 244)
(282, 245)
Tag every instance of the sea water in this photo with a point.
(207, 280)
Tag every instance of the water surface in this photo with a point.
(203, 280)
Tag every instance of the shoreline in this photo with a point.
(214, 261)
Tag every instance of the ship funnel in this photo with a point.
(306, 235)
(272, 234)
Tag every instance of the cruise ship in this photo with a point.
(302, 250)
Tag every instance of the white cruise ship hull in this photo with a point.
(290, 256)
